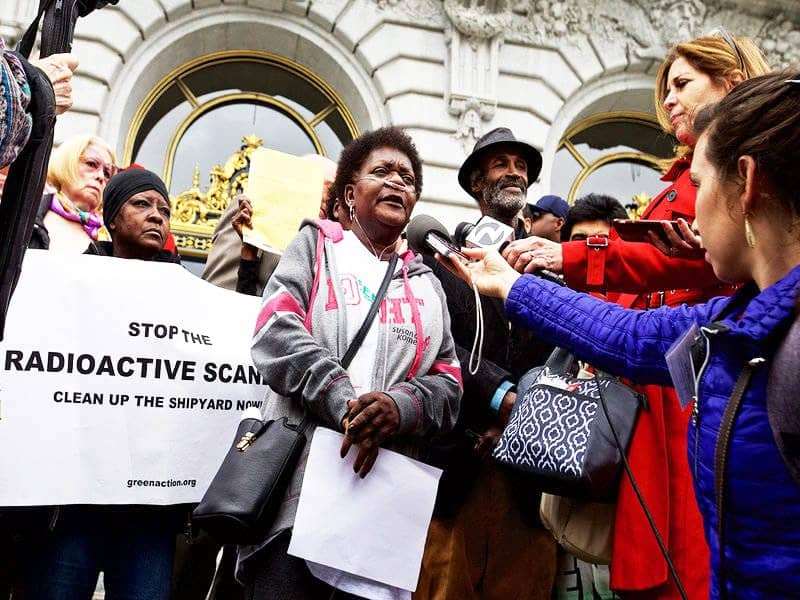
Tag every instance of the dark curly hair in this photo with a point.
(592, 207)
(356, 152)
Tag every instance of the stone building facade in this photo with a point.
(177, 84)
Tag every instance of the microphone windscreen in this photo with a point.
(419, 227)
(461, 233)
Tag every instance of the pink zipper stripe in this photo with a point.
(417, 320)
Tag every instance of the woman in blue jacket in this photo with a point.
(745, 167)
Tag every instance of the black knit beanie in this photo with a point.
(125, 184)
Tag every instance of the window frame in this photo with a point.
(194, 235)
(589, 167)
(176, 77)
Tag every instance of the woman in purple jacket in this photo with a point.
(748, 214)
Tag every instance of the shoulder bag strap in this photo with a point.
(57, 18)
(640, 497)
(721, 457)
(365, 326)
(24, 186)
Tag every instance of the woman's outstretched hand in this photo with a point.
(487, 270)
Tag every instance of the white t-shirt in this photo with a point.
(360, 277)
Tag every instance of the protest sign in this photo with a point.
(283, 190)
(121, 381)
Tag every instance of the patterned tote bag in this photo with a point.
(569, 433)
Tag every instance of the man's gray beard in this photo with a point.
(503, 205)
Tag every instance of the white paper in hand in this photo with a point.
(373, 527)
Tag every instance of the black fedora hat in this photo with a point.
(502, 136)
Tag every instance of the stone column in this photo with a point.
(471, 95)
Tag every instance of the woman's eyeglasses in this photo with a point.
(94, 164)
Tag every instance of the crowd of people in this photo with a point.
(724, 285)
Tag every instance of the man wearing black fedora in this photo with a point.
(485, 540)
(498, 174)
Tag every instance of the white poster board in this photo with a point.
(121, 381)
(373, 527)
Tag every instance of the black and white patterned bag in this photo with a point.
(559, 433)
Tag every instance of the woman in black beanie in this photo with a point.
(136, 212)
(133, 546)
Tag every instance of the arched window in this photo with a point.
(203, 119)
(616, 153)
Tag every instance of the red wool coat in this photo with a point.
(648, 279)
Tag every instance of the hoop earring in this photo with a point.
(352, 211)
(749, 234)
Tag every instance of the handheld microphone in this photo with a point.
(495, 235)
(461, 232)
(487, 233)
(428, 236)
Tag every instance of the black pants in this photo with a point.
(278, 576)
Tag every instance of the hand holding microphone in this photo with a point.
(526, 256)
(488, 233)
(487, 270)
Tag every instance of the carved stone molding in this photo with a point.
(425, 12)
(780, 40)
(476, 29)
(479, 20)
(473, 68)
(676, 19)
(645, 28)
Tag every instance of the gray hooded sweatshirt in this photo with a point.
(302, 330)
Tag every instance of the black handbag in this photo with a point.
(559, 431)
(243, 499)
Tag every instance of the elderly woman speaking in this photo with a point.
(404, 382)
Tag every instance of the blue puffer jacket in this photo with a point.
(762, 502)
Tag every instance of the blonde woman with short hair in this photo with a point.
(72, 212)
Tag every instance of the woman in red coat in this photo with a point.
(693, 74)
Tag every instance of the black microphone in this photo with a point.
(461, 233)
(428, 236)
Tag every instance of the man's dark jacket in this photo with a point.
(508, 353)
